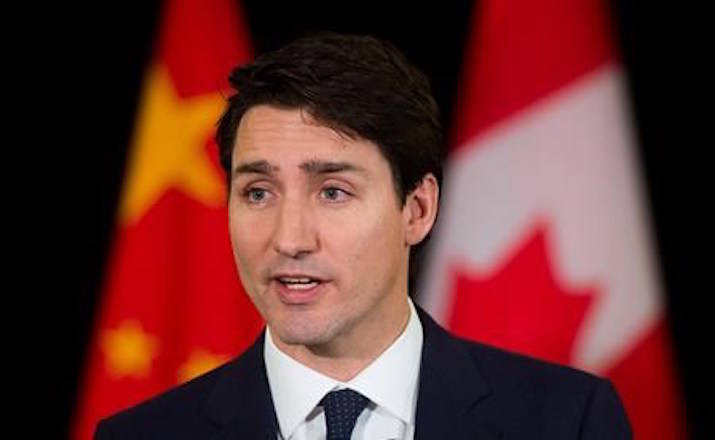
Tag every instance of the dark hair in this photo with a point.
(360, 86)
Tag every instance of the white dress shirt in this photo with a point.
(390, 382)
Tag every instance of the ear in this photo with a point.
(420, 210)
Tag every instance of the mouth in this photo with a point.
(298, 289)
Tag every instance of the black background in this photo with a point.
(90, 71)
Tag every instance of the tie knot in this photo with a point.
(342, 409)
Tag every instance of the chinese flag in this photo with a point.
(543, 244)
(172, 305)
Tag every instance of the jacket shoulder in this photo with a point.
(503, 367)
(177, 410)
(559, 393)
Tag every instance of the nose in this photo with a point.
(295, 235)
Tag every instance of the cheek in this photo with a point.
(366, 243)
(248, 235)
(249, 228)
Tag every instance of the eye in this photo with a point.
(334, 194)
(255, 195)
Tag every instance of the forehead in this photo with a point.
(267, 132)
(265, 123)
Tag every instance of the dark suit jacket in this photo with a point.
(467, 390)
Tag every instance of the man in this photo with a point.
(333, 152)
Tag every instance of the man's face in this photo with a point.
(317, 231)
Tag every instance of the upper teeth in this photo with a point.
(295, 280)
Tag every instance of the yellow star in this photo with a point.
(129, 350)
(199, 363)
(169, 148)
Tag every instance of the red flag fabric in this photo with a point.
(172, 306)
(543, 244)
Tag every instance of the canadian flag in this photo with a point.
(543, 243)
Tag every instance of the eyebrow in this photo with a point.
(311, 167)
(255, 167)
(325, 167)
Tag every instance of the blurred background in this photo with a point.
(506, 75)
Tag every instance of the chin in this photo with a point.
(306, 333)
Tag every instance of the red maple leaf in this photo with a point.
(521, 306)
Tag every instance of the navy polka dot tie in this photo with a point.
(342, 409)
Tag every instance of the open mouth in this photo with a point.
(299, 289)
(299, 283)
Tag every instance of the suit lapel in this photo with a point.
(240, 404)
(451, 388)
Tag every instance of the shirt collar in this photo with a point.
(390, 381)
